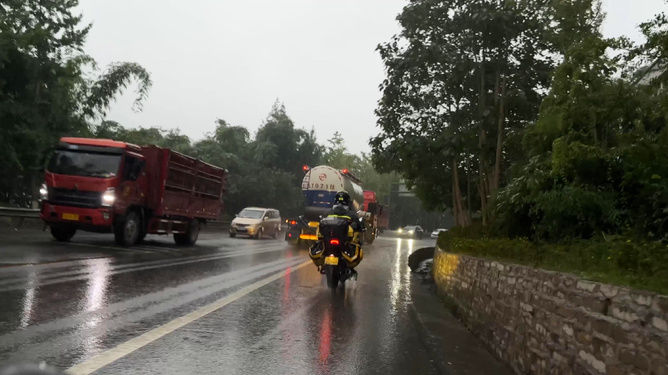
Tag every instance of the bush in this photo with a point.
(580, 191)
(574, 212)
(642, 265)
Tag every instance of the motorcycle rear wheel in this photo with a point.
(332, 274)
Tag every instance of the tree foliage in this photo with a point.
(44, 93)
(562, 131)
(279, 145)
(463, 79)
(597, 155)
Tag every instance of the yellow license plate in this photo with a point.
(70, 217)
(332, 261)
(313, 224)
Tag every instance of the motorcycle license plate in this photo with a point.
(332, 261)
(70, 217)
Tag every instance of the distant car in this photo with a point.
(256, 222)
(435, 233)
(414, 231)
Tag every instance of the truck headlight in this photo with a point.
(43, 192)
(108, 197)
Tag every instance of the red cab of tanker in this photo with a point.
(102, 185)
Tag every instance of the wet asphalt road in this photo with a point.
(67, 304)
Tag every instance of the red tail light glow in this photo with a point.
(334, 241)
(305, 168)
(345, 171)
(293, 222)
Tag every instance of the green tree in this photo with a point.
(174, 140)
(265, 171)
(280, 145)
(596, 158)
(463, 79)
(44, 93)
(381, 183)
(336, 155)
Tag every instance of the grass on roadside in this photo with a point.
(616, 261)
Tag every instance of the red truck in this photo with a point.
(379, 214)
(101, 185)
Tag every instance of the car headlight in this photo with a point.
(399, 230)
(109, 197)
(43, 192)
(411, 232)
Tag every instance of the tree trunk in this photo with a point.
(462, 212)
(468, 182)
(499, 138)
(482, 191)
(482, 140)
(455, 206)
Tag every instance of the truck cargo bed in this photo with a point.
(189, 187)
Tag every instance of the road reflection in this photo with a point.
(95, 298)
(400, 274)
(29, 299)
(325, 337)
(337, 325)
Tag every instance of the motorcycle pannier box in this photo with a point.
(334, 227)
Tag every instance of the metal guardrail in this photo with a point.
(29, 213)
(217, 224)
(24, 213)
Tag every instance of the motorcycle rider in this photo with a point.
(341, 208)
(353, 253)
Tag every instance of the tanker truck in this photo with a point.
(319, 186)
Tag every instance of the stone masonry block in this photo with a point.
(659, 366)
(586, 285)
(591, 360)
(628, 316)
(660, 324)
(634, 358)
(609, 291)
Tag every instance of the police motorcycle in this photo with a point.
(338, 249)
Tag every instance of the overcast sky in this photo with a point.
(232, 59)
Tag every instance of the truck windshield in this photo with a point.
(251, 214)
(88, 164)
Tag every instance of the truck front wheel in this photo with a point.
(62, 233)
(190, 236)
(128, 231)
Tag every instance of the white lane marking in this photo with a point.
(83, 274)
(138, 308)
(120, 351)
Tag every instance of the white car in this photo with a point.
(412, 231)
(435, 233)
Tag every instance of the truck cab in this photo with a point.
(88, 182)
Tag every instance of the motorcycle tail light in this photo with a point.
(334, 242)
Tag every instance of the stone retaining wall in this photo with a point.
(543, 322)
